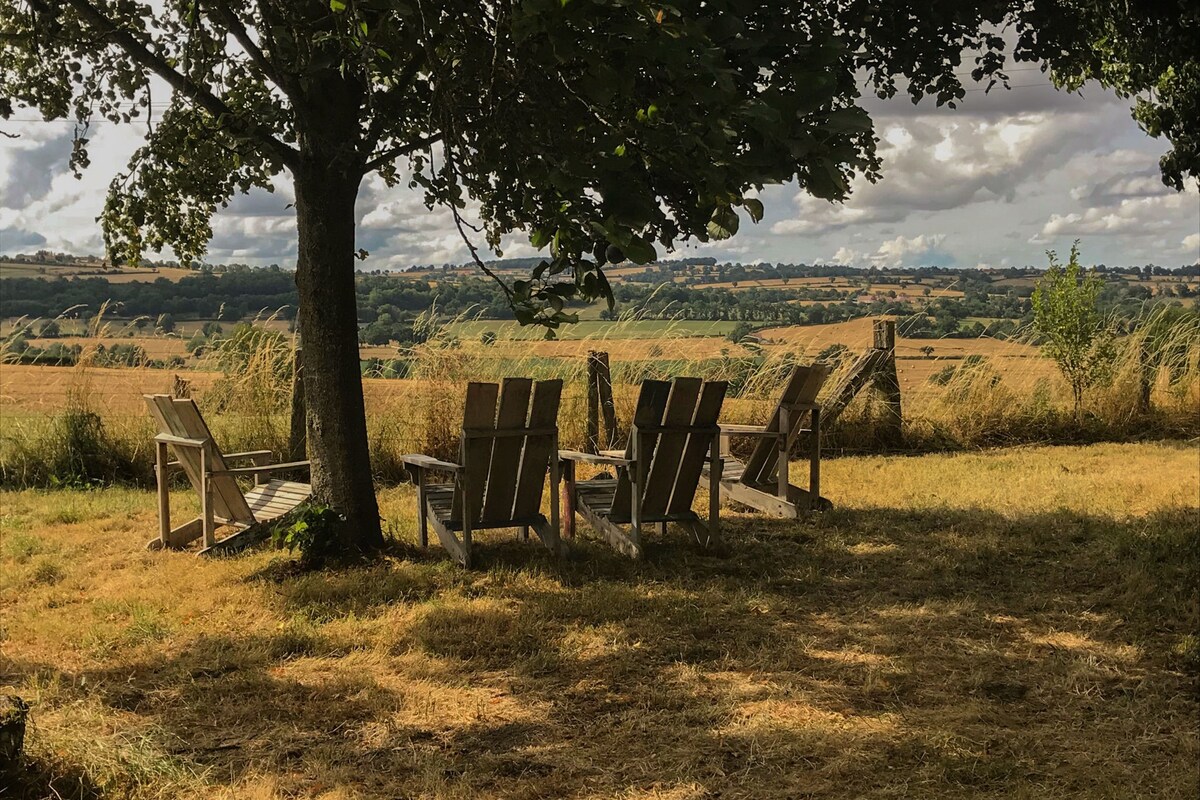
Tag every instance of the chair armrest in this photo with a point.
(590, 458)
(429, 462)
(247, 454)
(260, 468)
(748, 430)
(180, 441)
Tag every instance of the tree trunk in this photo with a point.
(328, 315)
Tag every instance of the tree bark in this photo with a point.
(326, 183)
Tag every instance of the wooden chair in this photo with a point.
(183, 432)
(504, 455)
(762, 482)
(674, 431)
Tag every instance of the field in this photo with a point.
(10, 269)
(1005, 624)
(596, 330)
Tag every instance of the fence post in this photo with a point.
(593, 402)
(888, 381)
(298, 432)
(608, 409)
(1145, 378)
(181, 388)
(600, 403)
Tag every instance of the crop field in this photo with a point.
(595, 329)
(10, 269)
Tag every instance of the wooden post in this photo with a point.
(607, 408)
(298, 432)
(593, 403)
(887, 381)
(1145, 378)
(600, 403)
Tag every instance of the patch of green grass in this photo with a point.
(19, 545)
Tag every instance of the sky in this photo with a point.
(994, 183)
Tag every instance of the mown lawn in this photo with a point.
(1017, 623)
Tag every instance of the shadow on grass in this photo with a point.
(859, 652)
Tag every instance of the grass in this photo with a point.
(1017, 623)
(85, 425)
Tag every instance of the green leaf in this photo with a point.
(723, 224)
(639, 251)
(337, 6)
(754, 208)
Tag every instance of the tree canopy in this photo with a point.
(599, 129)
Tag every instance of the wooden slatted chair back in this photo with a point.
(507, 440)
(672, 431)
(180, 417)
(801, 390)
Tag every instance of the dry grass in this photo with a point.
(1009, 624)
(1012, 396)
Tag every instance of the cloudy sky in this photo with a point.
(994, 183)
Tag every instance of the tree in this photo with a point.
(740, 332)
(49, 329)
(600, 129)
(1069, 326)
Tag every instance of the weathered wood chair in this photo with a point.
(674, 432)
(183, 432)
(762, 482)
(505, 451)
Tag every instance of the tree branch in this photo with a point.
(229, 18)
(398, 151)
(197, 93)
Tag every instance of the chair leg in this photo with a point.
(715, 468)
(422, 509)
(814, 463)
(568, 498)
(781, 467)
(206, 501)
(164, 496)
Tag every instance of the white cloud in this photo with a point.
(1191, 245)
(924, 249)
(1132, 217)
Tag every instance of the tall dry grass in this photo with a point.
(1011, 397)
